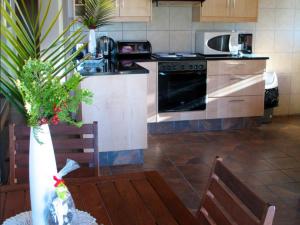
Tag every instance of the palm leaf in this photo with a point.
(23, 40)
(97, 13)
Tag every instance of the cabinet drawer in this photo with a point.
(235, 85)
(236, 67)
(228, 107)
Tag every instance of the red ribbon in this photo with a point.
(58, 181)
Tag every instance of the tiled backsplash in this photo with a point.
(277, 35)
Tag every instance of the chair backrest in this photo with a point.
(69, 142)
(227, 201)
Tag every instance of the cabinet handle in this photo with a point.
(238, 78)
(235, 63)
(237, 100)
(233, 3)
(117, 3)
(227, 3)
(123, 3)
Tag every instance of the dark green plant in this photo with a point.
(22, 40)
(97, 13)
(46, 98)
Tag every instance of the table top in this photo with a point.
(126, 199)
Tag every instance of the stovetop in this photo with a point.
(178, 56)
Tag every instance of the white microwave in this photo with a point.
(223, 42)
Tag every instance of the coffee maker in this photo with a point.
(245, 43)
(106, 47)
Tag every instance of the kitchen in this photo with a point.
(136, 129)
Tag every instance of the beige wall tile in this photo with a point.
(180, 41)
(295, 83)
(264, 41)
(112, 27)
(297, 4)
(284, 41)
(266, 19)
(160, 40)
(224, 26)
(267, 4)
(285, 18)
(297, 20)
(180, 18)
(283, 107)
(160, 19)
(134, 26)
(134, 35)
(296, 62)
(297, 41)
(285, 4)
(282, 62)
(284, 83)
(294, 107)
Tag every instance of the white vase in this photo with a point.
(42, 168)
(92, 42)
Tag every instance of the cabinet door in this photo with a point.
(244, 9)
(215, 8)
(138, 8)
(117, 8)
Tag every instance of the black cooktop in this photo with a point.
(178, 56)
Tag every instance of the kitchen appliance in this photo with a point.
(134, 49)
(223, 42)
(181, 82)
(106, 47)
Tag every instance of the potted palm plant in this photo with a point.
(33, 80)
(96, 13)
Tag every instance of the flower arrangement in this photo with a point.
(46, 98)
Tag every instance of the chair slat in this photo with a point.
(232, 205)
(22, 131)
(250, 199)
(68, 142)
(216, 213)
(23, 145)
(227, 201)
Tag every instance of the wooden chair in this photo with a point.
(68, 142)
(228, 201)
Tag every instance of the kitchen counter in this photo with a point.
(237, 57)
(110, 67)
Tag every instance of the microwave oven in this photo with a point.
(223, 43)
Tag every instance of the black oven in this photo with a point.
(182, 85)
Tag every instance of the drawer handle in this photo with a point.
(237, 100)
(235, 63)
(238, 78)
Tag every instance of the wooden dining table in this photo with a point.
(127, 199)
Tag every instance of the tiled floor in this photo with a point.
(266, 158)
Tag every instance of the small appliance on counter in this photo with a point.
(223, 42)
(106, 47)
(134, 50)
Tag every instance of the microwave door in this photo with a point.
(219, 44)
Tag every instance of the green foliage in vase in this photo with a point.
(47, 99)
(31, 72)
(97, 13)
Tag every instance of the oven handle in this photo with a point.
(189, 72)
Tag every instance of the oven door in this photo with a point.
(181, 91)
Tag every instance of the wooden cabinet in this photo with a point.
(151, 91)
(226, 11)
(235, 88)
(133, 10)
(125, 10)
(119, 106)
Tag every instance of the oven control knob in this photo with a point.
(182, 67)
(191, 67)
(174, 67)
(169, 67)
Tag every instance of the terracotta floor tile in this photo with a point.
(267, 159)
